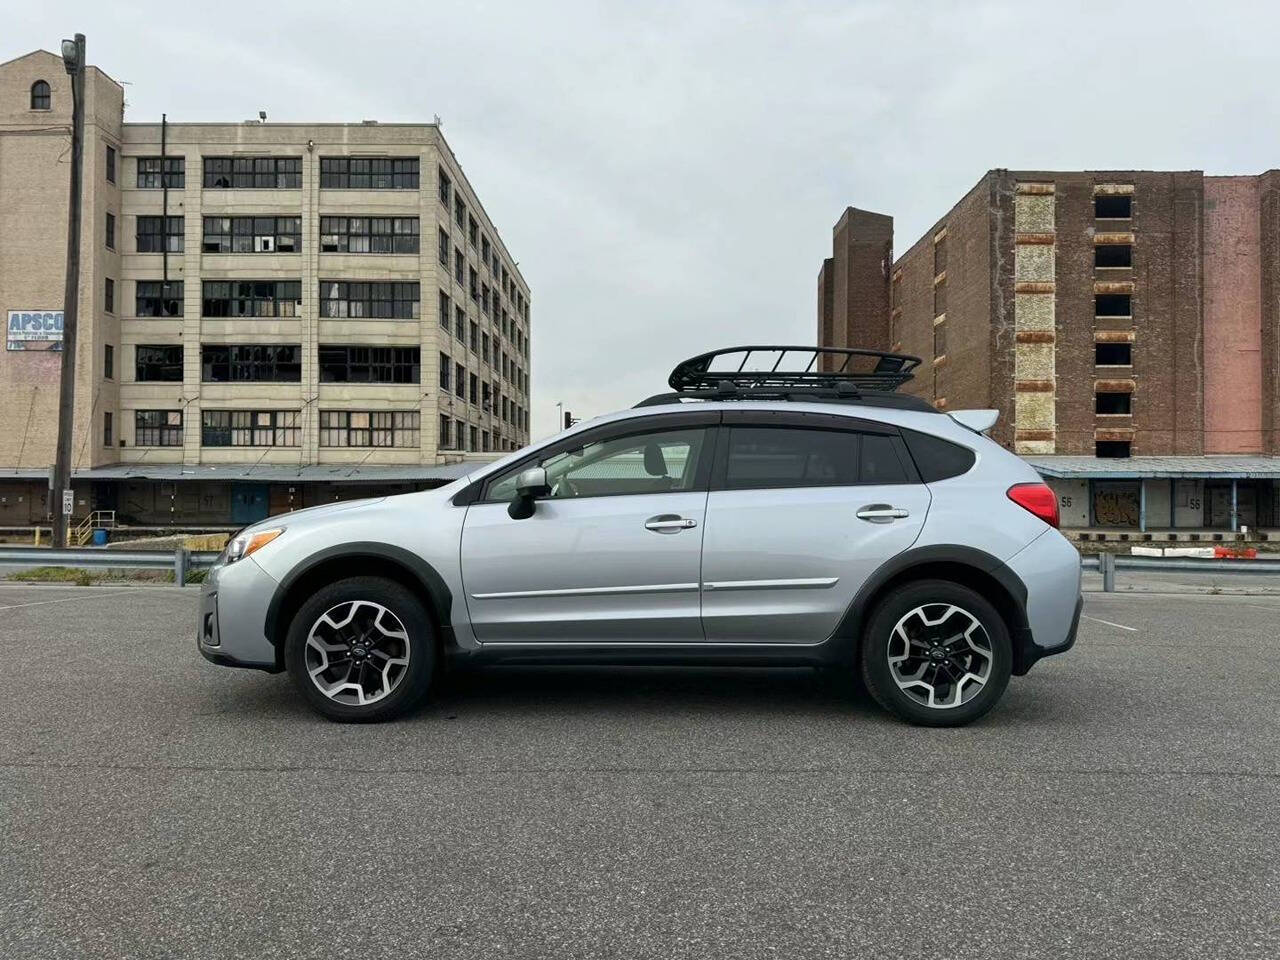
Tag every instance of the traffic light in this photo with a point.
(568, 419)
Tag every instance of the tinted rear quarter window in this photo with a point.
(773, 457)
(937, 459)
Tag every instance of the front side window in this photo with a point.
(658, 461)
(157, 428)
(761, 458)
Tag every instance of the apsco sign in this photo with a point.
(35, 330)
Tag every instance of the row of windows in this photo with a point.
(282, 173)
(459, 435)
(279, 363)
(280, 428)
(488, 253)
(369, 173)
(345, 299)
(251, 235)
(368, 234)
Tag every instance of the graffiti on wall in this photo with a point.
(1115, 504)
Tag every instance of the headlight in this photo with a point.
(244, 544)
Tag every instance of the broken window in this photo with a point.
(253, 173)
(252, 235)
(1113, 354)
(1113, 403)
(370, 235)
(388, 300)
(174, 168)
(1113, 255)
(369, 173)
(1113, 206)
(1111, 448)
(1113, 305)
(157, 428)
(157, 299)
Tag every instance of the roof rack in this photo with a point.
(792, 373)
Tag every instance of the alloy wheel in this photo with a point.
(357, 652)
(940, 655)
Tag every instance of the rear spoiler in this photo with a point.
(979, 421)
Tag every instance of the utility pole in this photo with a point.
(63, 504)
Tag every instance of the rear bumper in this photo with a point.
(1049, 568)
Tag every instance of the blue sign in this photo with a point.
(35, 330)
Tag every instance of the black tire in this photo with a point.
(413, 683)
(876, 641)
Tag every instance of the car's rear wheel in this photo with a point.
(936, 653)
(361, 650)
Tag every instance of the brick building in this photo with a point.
(271, 314)
(1125, 324)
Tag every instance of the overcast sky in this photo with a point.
(667, 174)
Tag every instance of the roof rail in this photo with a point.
(822, 374)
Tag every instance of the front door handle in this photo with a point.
(881, 513)
(669, 523)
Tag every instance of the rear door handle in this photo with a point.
(882, 513)
(669, 523)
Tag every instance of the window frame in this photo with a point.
(173, 227)
(393, 361)
(339, 226)
(243, 367)
(280, 295)
(373, 292)
(336, 172)
(164, 433)
(250, 229)
(175, 287)
(379, 421)
(277, 426)
(169, 171)
(41, 91)
(168, 363)
(284, 179)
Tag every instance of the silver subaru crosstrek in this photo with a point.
(761, 514)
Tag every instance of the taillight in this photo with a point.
(1037, 498)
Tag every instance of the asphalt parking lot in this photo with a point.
(1122, 801)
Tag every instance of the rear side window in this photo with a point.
(937, 459)
(770, 457)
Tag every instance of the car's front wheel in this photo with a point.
(361, 650)
(936, 653)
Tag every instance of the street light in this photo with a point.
(64, 504)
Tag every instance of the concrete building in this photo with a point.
(1124, 323)
(271, 314)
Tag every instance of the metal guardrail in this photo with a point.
(181, 561)
(1108, 563)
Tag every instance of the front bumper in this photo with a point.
(233, 609)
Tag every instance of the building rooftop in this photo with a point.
(1131, 468)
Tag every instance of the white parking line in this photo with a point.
(92, 596)
(1109, 623)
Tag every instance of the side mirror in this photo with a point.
(530, 485)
